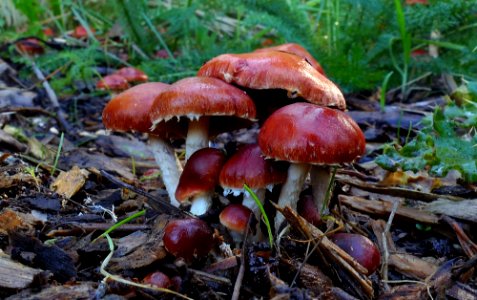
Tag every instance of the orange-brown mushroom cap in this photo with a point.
(30, 46)
(235, 217)
(194, 97)
(307, 133)
(275, 70)
(248, 166)
(132, 74)
(129, 111)
(113, 82)
(297, 50)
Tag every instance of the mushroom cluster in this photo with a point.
(304, 131)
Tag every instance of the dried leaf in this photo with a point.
(69, 183)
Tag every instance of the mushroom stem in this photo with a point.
(200, 204)
(249, 202)
(291, 189)
(197, 136)
(320, 180)
(169, 166)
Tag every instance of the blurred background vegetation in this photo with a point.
(360, 43)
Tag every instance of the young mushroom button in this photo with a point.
(199, 99)
(129, 111)
(199, 179)
(308, 135)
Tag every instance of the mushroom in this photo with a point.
(158, 279)
(30, 46)
(235, 218)
(114, 83)
(362, 249)
(199, 99)
(307, 209)
(275, 70)
(132, 75)
(80, 32)
(248, 166)
(297, 50)
(306, 134)
(129, 111)
(199, 179)
(188, 238)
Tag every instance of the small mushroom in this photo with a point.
(114, 83)
(30, 46)
(308, 135)
(80, 32)
(129, 111)
(362, 249)
(132, 75)
(235, 217)
(188, 238)
(248, 166)
(199, 179)
(201, 99)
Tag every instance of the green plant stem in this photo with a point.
(262, 210)
(120, 223)
(58, 152)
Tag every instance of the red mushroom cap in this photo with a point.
(275, 70)
(113, 82)
(80, 32)
(362, 249)
(30, 46)
(188, 238)
(132, 74)
(158, 279)
(297, 50)
(129, 111)
(248, 166)
(235, 217)
(306, 208)
(201, 173)
(307, 133)
(202, 96)
(47, 31)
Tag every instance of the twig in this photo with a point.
(241, 273)
(52, 96)
(385, 243)
(156, 204)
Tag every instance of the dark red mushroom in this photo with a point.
(188, 238)
(306, 134)
(129, 111)
(80, 32)
(248, 166)
(306, 208)
(30, 46)
(113, 83)
(158, 279)
(199, 99)
(199, 179)
(362, 249)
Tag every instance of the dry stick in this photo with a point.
(241, 273)
(340, 257)
(385, 244)
(52, 96)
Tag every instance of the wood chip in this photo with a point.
(14, 275)
(69, 183)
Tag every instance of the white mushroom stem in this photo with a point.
(249, 202)
(169, 166)
(200, 204)
(197, 135)
(291, 189)
(320, 180)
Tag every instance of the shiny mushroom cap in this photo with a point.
(30, 46)
(80, 32)
(235, 217)
(201, 173)
(112, 82)
(129, 111)
(195, 97)
(297, 50)
(132, 74)
(248, 166)
(275, 70)
(311, 134)
(188, 238)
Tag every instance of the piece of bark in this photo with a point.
(383, 209)
(69, 183)
(465, 209)
(411, 266)
(84, 290)
(14, 275)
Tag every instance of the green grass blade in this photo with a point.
(262, 210)
(120, 223)
(58, 152)
(384, 89)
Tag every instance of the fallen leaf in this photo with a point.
(69, 183)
